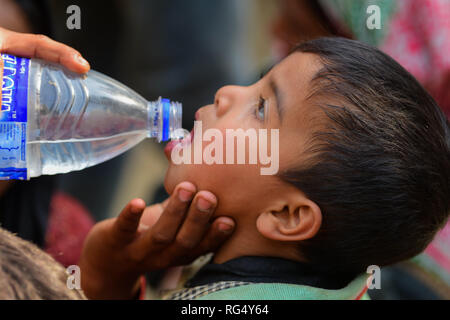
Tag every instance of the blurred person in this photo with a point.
(28, 273)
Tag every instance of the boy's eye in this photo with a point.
(261, 109)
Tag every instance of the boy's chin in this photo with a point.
(169, 183)
(173, 177)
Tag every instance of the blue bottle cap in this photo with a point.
(165, 119)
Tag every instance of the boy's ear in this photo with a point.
(297, 220)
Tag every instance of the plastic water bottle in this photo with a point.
(55, 121)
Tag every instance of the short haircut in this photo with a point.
(380, 169)
(28, 273)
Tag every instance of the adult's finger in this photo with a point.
(125, 227)
(151, 215)
(196, 223)
(165, 229)
(42, 47)
(221, 229)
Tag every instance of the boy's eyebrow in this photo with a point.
(278, 97)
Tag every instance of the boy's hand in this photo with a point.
(118, 251)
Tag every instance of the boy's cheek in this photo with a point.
(233, 185)
(203, 176)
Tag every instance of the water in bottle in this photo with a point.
(55, 121)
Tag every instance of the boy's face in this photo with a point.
(277, 101)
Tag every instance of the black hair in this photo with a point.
(28, 273)
(380, 169)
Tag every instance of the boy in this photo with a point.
(363, 180)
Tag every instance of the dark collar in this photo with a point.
(267, 270)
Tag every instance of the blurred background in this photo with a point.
(186, 51)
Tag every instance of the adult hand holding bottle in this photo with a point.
(42, 47)
(38, 46)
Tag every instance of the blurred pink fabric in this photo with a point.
(68, 225)
(418, 37)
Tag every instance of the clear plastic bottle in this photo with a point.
(55, 121)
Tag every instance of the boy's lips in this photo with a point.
(171, 144)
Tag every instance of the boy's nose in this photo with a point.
(226, 97)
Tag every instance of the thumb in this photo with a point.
(126, 224)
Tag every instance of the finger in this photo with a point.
(126, 224)
(221, 230)
(151, 214)
(42, 47)
(164, 203)
(196, 223)
(165, 229)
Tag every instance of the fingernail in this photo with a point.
(226, 228)
(203, 205)
(185, 195)
(81, 60)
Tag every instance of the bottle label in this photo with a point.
(13, 117)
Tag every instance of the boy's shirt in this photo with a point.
(261, 278)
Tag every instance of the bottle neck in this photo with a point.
(164, 119)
